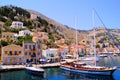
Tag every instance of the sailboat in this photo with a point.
(81, 67)
(34, 70)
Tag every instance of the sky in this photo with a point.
(74, 13)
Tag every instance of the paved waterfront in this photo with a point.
(15, 67)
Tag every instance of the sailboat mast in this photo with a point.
(93, 24)
(76, 38)
(36, 41)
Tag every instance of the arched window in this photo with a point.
(15, 53)
(10, 53)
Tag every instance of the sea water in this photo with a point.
(58, 74)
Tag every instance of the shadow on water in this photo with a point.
(18, 75)
(80, 76)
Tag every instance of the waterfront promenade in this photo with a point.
(21, 67)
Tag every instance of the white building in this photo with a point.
(25, 32)
(33, 16)
(51, 54)
(17, 24)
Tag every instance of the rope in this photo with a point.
(110, 35)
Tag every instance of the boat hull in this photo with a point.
(35, 72)
(104, 72)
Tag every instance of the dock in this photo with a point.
(50, 65)
(5, 68)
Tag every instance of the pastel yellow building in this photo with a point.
(12, 54)
(32, 52)
(8, 36)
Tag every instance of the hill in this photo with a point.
(55, 30)
(30, 17)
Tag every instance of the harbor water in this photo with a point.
(58, 74)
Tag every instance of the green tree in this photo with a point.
(4, 43)
(8, 23)
(11, 15)
(28, 38)
(2, 19)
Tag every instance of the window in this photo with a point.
(7, 36)
(19, 52)
(47, 55)
(30, 53)
(33, 47)
(16, 53)
(30, 47)
(38, 46)
(10, 53)
(38, 53)
(6, 52)
(25, 53)
(3, 36)
(25, 46)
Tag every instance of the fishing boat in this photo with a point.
(88, 69)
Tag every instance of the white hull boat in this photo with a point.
(86, 69)
(35, 71)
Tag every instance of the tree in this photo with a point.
(11, 15)
(28, 38)
(4, 43)
(2, 19)
(8, 23)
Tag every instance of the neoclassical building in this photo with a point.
(32, 52)
(8, 36)
(12, 54)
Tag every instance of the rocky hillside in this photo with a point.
(32, 19)
(69, 33)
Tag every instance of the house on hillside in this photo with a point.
(8, 36)
(25, 32)
(12, 54)
(17, 25)
(61, 41)
(40, 35)
(32, 52)
(33, 16)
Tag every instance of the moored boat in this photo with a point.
(35, 71)
(87, 69)
(102, 55)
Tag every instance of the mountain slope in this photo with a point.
(69, 33)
